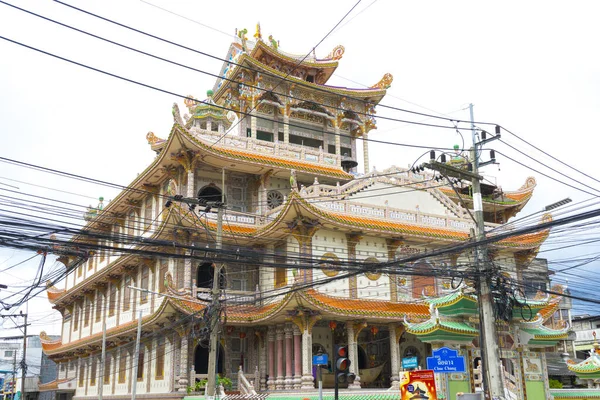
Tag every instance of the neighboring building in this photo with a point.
(585, 327)
(40, 369)
(288, 154)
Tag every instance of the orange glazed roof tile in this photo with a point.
(374, 308)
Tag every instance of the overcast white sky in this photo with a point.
(532, 67)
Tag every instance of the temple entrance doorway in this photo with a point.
(201, 360)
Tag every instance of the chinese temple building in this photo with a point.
(279, 146)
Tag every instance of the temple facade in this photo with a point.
(300, 232)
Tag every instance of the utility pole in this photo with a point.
(101, 381)
(490, 353)
(14, 379)
(214, 322)
(136, 357)
(24, 363)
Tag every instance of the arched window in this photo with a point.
(210, 193)
(204, 276)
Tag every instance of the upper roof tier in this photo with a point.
(246, 56)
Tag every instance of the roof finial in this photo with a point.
(258, 35)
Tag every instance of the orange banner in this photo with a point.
(418, 385)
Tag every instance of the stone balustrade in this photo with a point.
(278, 149)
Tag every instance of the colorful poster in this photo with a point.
(418, 385)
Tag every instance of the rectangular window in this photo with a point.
(140, 371)
(144, 284)
(91, 263)
(280, 259)
(112, 300)
(123, 366)
(99, 306)
(131, 225)
(93, 371)
(107, 361)
(148, 212)
(81, 375)
(75, 318)
(127, 294)
(80, 271)
(164, 267)
(280, 136)
(86, 312)
(101, 251)
(8, 353)
(160, 358)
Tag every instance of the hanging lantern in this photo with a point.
(374, 330)
(242, 335)
(332, 325)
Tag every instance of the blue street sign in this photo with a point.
(320, 360)
(446, 360)
(410, 362)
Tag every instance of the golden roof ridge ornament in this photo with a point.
(384, 83)
(336, 53)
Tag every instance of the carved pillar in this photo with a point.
(187, 159)
(366, 152)
(271, 355)
(395, 332)
(262, 360)
(307, 377)
(183, 381)
(305, 321)
(392, 246)
(338, 143)
(352, 239)
(353, 354)
(187, 271)
(190, 183)
(253, 124)
(289, 382)
(279, 383)
(286, 127)
(297, 357)
(303, 231)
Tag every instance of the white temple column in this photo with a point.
(183, 381)
(190, 183)
(366, 152)
(307, 377)
(394, 357)
(286, 128)
(353, 355)
(253, 124)
(262, 360)
(187, 271)
(338, 144)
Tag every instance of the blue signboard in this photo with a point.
(446, 360)
(410, 362)
(320, 359)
